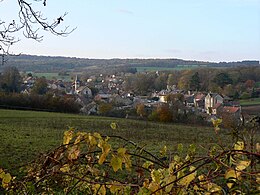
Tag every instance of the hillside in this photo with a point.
(57, 64)
(26, 134)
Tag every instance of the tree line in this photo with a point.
(234, 82)
(37, 99)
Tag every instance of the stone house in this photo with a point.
(211, 100)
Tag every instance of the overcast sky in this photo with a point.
(211, 30)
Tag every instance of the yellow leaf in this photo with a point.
(231, 173)
(1, 173)
(186, 180)
(113, 125)
(146, 183)
(78, 139)
(216, 122)
(92, 140)
(125, 157)
(201, 177)
(115, 188)
(95, 188)
(170, 179)
(258, 178)
(116, 163)
(121, 151)
(163, 151)
(68, 135)
(229, 185)
(213, 188)
(102, 158)
(99, 189)
(6, 179)
(105, 150)
(65, 168)
(156, 176)
(102, 190)
(154, 186)
(97, 135)
(243, 164)
(73, 153)
(147, 164)
(239, 145)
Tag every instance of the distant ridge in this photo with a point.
(59, 63)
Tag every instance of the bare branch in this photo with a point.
(31, 21)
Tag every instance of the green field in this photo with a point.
(179, 67)
(26, 134)
(249, 102)
(257, 84)
(51, 75)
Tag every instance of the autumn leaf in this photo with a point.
(154, 186)
(97, 135)
(156, 176)
(147, 164)
(169, 179)
(232, 175)
(113, 126)
(73, 153)
(99, 189)
(125, 158)
(68, 135)
(92, 140)
(116, 188)
(189, 178)
(6, 179)
(216, 124)
(65, 168)
(239, 145)
(243, 164)
(105, 150)
(163, 151)
(1, 173)
(116, 163)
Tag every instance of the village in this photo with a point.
(105, 95)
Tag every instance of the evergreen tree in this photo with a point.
(195, 82)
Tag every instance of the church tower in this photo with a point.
(77, 83)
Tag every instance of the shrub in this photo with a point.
(89, 163)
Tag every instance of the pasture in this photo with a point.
(178, 68)
(250, 102)
(26, 134)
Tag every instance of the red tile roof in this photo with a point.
(231, 109)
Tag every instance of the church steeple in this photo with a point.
(77, 83)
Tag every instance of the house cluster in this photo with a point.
(109, 89)
(213, 104)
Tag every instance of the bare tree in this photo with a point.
(31, 22)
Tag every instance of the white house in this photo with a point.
(211, 100)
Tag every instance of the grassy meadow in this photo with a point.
(178, 68)
(26, 134)
(249, 102)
